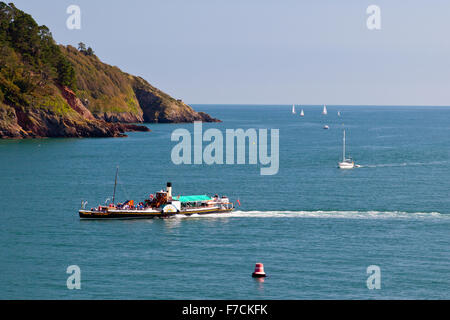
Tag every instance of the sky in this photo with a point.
(268, 51)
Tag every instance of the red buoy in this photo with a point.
(259, 271)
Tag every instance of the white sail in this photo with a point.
(302, 113)
(293, 108)
(339, 113)
(324, 110)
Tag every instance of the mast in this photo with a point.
(343, 149)
(115, 184)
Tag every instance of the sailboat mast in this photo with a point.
(115, 184)
(343, 148)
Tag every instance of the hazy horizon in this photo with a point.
(317, 105)
(265, 52)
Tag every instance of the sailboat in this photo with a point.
(339, 113)
(325, 110)
(293, 109)
(346, 163)
(302, 114)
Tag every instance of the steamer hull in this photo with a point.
(116, 214)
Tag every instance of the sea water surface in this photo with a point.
(316, 228)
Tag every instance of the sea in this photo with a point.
(380, 231)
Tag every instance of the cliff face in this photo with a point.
(158, 106)
(50, 90)
(21, 122)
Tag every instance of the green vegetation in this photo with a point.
(103, 88)
(29, 57)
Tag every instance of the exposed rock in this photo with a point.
(124, 117)
(39, 123)
(9, 128)
(159, 107)
(76, 103)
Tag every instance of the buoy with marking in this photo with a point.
(259, 271)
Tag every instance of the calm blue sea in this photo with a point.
(315, 228)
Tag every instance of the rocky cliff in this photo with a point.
(50, 90)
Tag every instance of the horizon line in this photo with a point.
(313, 105)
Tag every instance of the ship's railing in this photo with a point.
(211, 204)
(228, 205)
(222, 205)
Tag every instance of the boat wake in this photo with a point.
(325, 214)
(404, 164)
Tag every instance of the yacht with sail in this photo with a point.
(324, 111)
(302, 113)
(346, 163)
(293, 109)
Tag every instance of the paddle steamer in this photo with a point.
(160, 205)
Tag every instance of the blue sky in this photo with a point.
(268, 52)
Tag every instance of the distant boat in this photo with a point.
(326, 127)
(293, 109)
(339, 113)
(302, 114)
(346, 163)
(324, 110)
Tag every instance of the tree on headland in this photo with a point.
(89, 51)
(66, 74)
(81, 47)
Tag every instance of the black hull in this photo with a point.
(128, 216)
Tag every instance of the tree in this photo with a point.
(90, 52)
(82, 47)
(24, 34)
(66, 74)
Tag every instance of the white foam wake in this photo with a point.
(404, 164)
(326, 214)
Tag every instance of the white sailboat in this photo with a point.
(302, 113)
(339, 113)
(293, 109)
(346, 163)
(325, 110)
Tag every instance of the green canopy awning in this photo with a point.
(192, 198)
